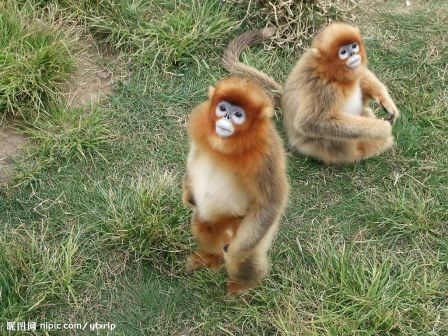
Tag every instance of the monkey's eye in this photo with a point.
(343, 53)
(239, 117)
(221, 108)
(355, 47)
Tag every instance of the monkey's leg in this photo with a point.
(329, 151)
(350, 151)
(211, 238)
(344, 127)
(370, 147)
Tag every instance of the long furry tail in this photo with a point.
(233, 65)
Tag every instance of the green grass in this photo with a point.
(154, 32)
(173, 36)
(141, 217)
(358, 292)
(35, 58)
(38, 272)
(62, 133)
(93, 229)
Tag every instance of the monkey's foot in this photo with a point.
(361, 148)
(200, 259)
(235, 288)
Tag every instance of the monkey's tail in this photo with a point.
(233, 65)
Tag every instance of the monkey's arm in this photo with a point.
(187, 194)
(372, 87)
(346, 127)
(254, 227)
(270, 190)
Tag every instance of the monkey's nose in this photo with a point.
(352, 53)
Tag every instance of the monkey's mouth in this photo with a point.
(354, 61)
(224, 128)
(223, 132)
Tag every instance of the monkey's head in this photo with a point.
(339, 52)
(238, 112)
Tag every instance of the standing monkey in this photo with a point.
(236, 181)
(325, 99)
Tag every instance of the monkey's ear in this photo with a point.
(267, 112)
(211, 90)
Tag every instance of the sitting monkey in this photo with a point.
(325, 99)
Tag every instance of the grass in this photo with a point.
(62, 133)
(157, 32)
(359, 293)
(92, 227)
(36, 273)
(141, 216)
(296, 21)
(65, 132)
(35, 58)
(173, 37)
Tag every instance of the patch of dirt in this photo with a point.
(92, 79)
(11, 143)
(90, 83)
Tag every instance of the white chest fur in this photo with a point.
(353, 105)
(215, 189)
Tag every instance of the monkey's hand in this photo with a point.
(187, 195)
(231, 252)
(187, 198)
(392, 112)
(228, 252)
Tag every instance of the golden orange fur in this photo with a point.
(237, 185)
(325, 48)
(325, 102)
(249, 142)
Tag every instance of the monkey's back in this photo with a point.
(298, 99)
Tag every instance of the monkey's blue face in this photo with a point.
(350, 52)
(230, 117)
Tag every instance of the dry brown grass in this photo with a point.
(296, 20)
